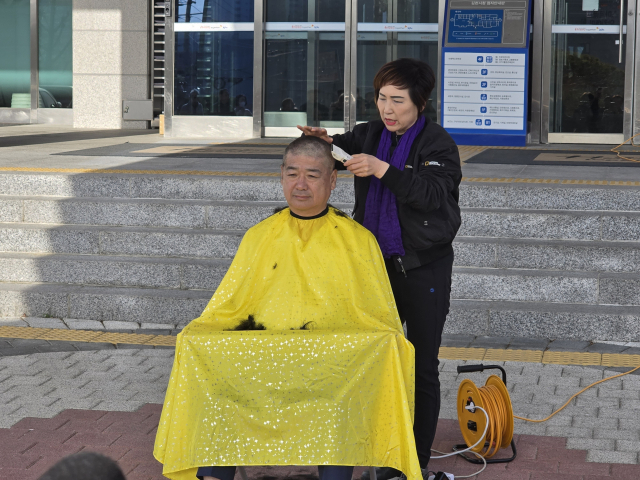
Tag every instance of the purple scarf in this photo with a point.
(380, 212)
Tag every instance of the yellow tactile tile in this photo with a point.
(75, 335)
(448, 353)
(454, 353)
(529, 356)
(20, 332)
(620, 360)
(572, 358)
(129, 338)
(163, 340)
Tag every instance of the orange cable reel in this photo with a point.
(495, 400)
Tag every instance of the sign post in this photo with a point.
(485, 71)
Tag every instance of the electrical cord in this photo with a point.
(486, 427)
(576, 394)
(484, 461)
(618, 153)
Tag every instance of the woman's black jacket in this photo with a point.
(426, 190)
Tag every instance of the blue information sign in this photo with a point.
(483, 26)
(485, 62)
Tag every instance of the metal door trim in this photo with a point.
(630, 85)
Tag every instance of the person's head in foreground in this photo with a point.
(308, 176)
(84, 466)
(402, 90)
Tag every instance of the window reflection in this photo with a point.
(376, 49)
(304, 79)
(214, 73)
(198, 11)
(54, 53)
(305, 11)
(404, 11)
(15, 59)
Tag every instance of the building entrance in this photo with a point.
(321, 57)
(588, 66)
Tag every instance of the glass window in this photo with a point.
(377, 46)
(304, 63)
(199, 11)
(54, 53)
(405, 11)
(305, 10)
(417, 11)
(213, 73)
(15, 58)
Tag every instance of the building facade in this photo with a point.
(243, 68)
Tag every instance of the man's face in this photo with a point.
(307, 183)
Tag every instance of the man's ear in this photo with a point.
(334, 178)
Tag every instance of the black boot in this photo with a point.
(382, 473)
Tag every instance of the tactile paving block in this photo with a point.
(68, 335)
(163, 340)
(572, 358)
(20, 332)
(620, 360)
(530, 356)
(455, 353)
(129, 338)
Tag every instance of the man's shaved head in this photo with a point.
(308, 175)
(313, 147)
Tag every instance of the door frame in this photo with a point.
(630, 93)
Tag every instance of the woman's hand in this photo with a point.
(363, 165)
(316, 132)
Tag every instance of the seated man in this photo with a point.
(299, 358)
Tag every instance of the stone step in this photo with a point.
(569, 255)
(125, 304)
(186, 187)
(240, 215)
(196, 214)
(113, 271)
(492, 284)
(544, 320)
(550, 224)
(143, 241)
(536, 254)
(473, 317)
(205, 274)
(513, 195)
(542, 196)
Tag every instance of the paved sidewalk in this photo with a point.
(64, 398)
(55, 147)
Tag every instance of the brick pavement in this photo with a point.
(54, 404)
(33, 445)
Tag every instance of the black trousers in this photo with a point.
(423, 298)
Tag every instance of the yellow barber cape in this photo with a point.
(338, 392)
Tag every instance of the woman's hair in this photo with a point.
(407, 73)
(84, 466)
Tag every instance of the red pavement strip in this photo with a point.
(33, 445)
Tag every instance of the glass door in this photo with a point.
(590, 70)
(388, 30)
(304, 66)
(320, 58)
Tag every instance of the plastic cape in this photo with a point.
(339, 393)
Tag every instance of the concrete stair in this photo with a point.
(553, 261)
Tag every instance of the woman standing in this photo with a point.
(407, 173)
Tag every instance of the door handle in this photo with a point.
(621, 27)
